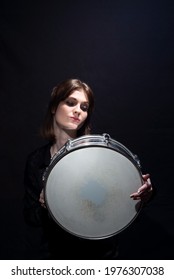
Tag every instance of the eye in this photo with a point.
(84, 107)
(71, 102)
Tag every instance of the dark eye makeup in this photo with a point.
(72, 102)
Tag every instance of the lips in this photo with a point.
(75, 119)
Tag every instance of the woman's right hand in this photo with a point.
(41, 199)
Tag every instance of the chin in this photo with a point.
(70, 128)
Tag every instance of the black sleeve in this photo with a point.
(34, 213)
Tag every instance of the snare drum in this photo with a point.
(88, 186)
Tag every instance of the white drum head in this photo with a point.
(88, 192)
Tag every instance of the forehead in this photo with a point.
(80, 95)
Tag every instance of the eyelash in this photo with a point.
(72, 103)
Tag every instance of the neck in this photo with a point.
(62, 136)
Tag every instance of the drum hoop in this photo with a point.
(107, 142)
(139, 208)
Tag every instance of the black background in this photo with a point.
(125, 51)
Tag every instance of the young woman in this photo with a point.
(68, 117)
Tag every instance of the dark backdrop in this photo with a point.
(124, 51)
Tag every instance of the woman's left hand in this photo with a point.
(145, 191)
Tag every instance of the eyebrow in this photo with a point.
(71, 97)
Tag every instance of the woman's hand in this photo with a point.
(145, 191)
(41, 199)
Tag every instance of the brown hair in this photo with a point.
(60, 93)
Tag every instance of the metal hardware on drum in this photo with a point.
(106, 138)
(88, 186)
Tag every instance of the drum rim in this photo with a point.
(68, 148)
(99, 237)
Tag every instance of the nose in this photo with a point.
(77, 109)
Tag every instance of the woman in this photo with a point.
(68, 116)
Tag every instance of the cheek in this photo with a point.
(59, 115)
(84, 116)
(61, 111)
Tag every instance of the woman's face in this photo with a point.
(72, 112)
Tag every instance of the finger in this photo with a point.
(43, 205)
(147, 186)
(134, 195)
(142, 191)
(146, 176)
(41, 200)
(149, 182)
(142, 188)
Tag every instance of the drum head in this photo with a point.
(88, 192)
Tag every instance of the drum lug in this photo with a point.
(137, 161)
(106, 137)
(68, 145)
